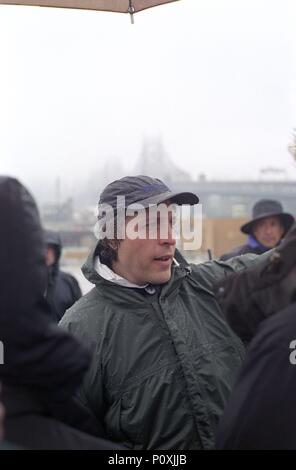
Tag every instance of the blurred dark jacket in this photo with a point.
(62, 288)
(261, 412)
(43, 365)
(252, 246)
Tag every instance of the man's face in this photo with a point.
(269, 231)
(147, 260)
(50, 255)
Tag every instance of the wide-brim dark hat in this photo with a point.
(268, 208)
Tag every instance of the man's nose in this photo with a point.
(269, 230)
(169, 239)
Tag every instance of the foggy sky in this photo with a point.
(215, 78)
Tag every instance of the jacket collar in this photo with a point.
(253, 243)
(106, 273)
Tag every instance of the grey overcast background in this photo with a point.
(216, 79)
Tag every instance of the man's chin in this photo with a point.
(162, 278)
(269, 245)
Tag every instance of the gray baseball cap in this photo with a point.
(143, 190)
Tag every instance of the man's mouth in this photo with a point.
(164, 258)
(164, 261)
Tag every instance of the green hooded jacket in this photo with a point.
(163, 363)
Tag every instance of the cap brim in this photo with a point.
(287, 221)
(175, 198)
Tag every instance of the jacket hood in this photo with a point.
(22, 268)
(37, 353)
(54, 239)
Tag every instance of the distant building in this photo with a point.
(231, 199)
(57, 213)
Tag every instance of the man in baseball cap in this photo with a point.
(164, 359)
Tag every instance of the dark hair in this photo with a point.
(108, 253)
(107, 249)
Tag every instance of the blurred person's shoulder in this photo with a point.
(238, 251)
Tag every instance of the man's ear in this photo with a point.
(114, 243)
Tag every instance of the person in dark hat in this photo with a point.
(62, 288)
(164, 357)
(259, 304)
(266, 229)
